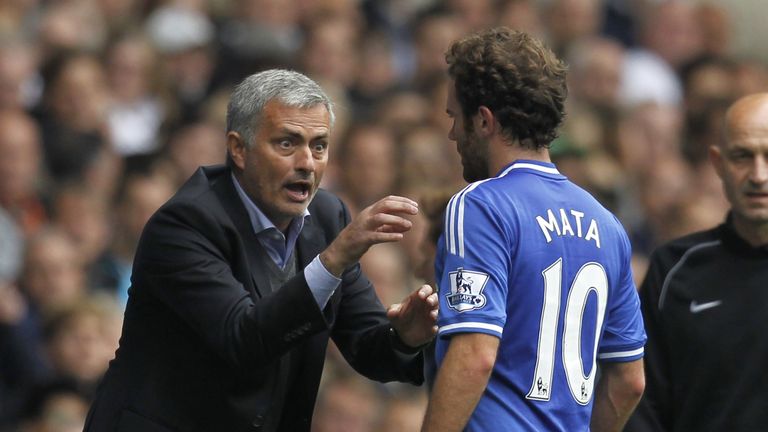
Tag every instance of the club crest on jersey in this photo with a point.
(466, 290)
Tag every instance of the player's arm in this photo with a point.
(618, 391)
(461, 380)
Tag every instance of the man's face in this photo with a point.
(742, 164)
(283, 168)
(472, 148)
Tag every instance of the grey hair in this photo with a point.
(251, 96)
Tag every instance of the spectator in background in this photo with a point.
(474, 14)
(347, 403)
(704, 299)
(19, 360)
(140, 196)
(21, 170)
(57, 406)
(51, 277)
(257, 34)
(570, 21)
(84, 216)
(53, 274)
(594, 77)
(385, 267)
(367, 165)
(140, 104)
(73, 114)
(70, 26)
(434, 30)
(376, 74)
(80, 340)
(190, 147)
(424, 163)
(20, 83)
(670, 37)
(521, 15)
(184, 39)
(403, 411)
(121, 15)
(329, 54)
(716, 29)
(709, 88)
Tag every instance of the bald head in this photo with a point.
(747, 116)
(741, 161)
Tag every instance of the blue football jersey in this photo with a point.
(531, 258)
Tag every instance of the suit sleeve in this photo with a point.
(184, 261)
(652, 413)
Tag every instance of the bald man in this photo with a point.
(705, 300)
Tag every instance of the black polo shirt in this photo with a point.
(705, 306)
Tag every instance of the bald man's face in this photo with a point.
(742, 161)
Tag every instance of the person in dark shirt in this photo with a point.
(704, 300)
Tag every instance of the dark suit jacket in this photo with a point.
(206, 346)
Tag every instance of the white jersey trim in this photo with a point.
(620, 354)
(471, 325)
(454, 218)
(548, 170)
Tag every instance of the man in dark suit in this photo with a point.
(242, 277)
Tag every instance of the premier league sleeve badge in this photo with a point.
(466, 290)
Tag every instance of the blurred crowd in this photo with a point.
(107, 106)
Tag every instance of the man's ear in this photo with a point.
(716, 158)
(485, 121)
(236, 149)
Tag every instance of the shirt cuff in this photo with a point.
(321, 282)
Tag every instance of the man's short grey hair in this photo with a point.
(251, 96)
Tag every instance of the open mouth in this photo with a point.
(299, 191)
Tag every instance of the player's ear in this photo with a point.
(485, 121)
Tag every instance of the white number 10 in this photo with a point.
(591, 277)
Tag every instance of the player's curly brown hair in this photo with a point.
(515, 76)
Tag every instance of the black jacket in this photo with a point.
(206, 346)
(705, 303)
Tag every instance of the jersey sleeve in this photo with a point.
(624, 336)
(473, 266)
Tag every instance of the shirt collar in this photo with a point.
(732, 239)
(259, 220)
(530, 165)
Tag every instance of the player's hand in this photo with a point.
(415, 317)
(382, 222)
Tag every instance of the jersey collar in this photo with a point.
(530, 166)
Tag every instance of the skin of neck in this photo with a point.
(502, 152)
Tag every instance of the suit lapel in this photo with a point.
(235, 208)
